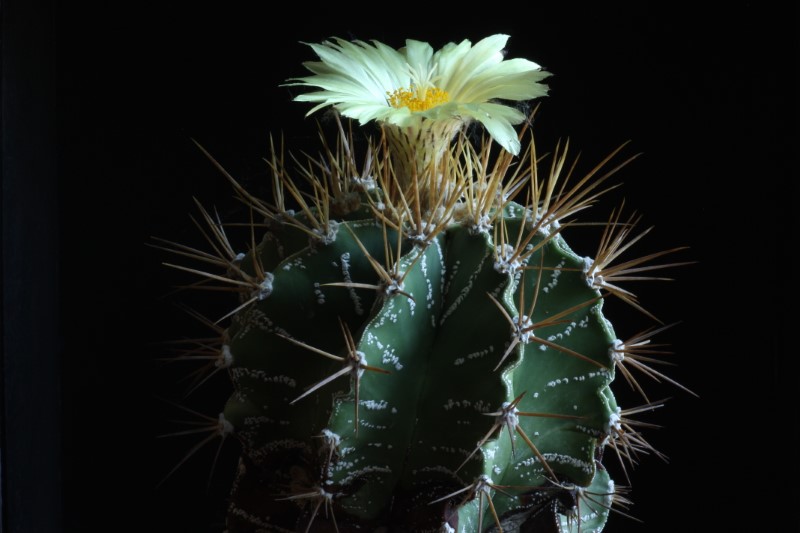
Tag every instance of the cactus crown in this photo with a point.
(415, 346)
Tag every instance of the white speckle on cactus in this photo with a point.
(524, 329)
(370, 425)
(325, 236)
(593, 277)
(451, 403)
(421, 233)
(465, 290)
(483, 484)
(557, 458)
(360, 363)
(393, 287)
(545, 226)
(614, 422)
(506, 260)
(600, 373)
(297, 262)
(331, 439)
(389, 358)
(265, 287)
(240, 256)
(258, 422)
(554, 277)
(394, 410)
(497, 470)
(319, 294)
(474, 355)
(617, 351)
(366, 183)
(443, 268)
(252, 373)
(508, 415)
(556, 382)
(450, 449)
(346, 465)
(365, 224)
(482, 225)
(225, 358)
(481, 406)
(429, 294)
(452, 275)
(446, 528)
(374, 405)
(345, 259)
(386, 314)
(364, 472)
(423, 263)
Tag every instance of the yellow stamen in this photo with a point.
(417, 98)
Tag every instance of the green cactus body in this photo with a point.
(413, 351)
(483, 366)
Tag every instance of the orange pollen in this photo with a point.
(416, 98)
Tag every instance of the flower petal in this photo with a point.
(418, 56)
(498, 120)
(357, 77)
(485, 53)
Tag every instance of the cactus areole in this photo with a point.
(416, 348)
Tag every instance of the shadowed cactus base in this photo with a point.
(416, 347)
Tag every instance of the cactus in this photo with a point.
(415, 346)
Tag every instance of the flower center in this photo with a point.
(417, 98)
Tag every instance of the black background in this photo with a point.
(708, 98)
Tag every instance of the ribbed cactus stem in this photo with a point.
(415, 346)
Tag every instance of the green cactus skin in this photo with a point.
(391, 379)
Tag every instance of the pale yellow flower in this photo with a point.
(422, 93)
